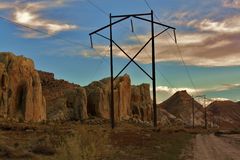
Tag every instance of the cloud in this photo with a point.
(28, 18)
(213, 43)
(228, 25)
(166, 92)
(5, 5)
(208, 101)
(228, 87)
(220, 99)
(171, 91)
(198, 49)
(192, 91)
(28, 14)
(231, 3)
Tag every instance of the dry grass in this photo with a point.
(51, 141)
(82, 146)
(150, 145)
(44, 150)
(12, 153)
(75, 141)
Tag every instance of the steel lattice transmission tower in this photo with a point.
(140, 16)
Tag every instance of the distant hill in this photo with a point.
(226, 114)
(180, 105)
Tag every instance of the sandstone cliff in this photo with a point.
(98, 96)
(180, 105)
(68, 101)
(141, 102)
(65, 101)
(141, 107)
(20, 89)
(130, 101)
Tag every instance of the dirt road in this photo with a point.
(211, 147)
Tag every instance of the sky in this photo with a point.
(206, 59)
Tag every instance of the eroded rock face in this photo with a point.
(98, 96)
(65, 101)
(141, 103)
(20, 89)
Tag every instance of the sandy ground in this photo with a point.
(211, 147)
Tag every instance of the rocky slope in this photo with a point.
(224, 114)
(180, 105)
(20, 89)
(65, 101)
(166, 119)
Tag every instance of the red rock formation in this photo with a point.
(141, 106)
(20, 89)
(141, 102)
(65, 101)
(98, 94)
(61, 95)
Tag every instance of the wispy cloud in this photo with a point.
(171, 91)
(231, 3)
(198, 49)
(5, 5)
(228, 25)
(192, 91)
(208, 101)
(168, 91)
(29, 14)
(214, 43)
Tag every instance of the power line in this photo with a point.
(98, 68)
(179, 51)
(104, 12)
(97, 7)
(186, 68)
(147, 4)
(60, 38)
(164, 77)
(153, 77)
(147, 53)
(155, 15)
(43, 32)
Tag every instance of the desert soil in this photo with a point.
(211, 147)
